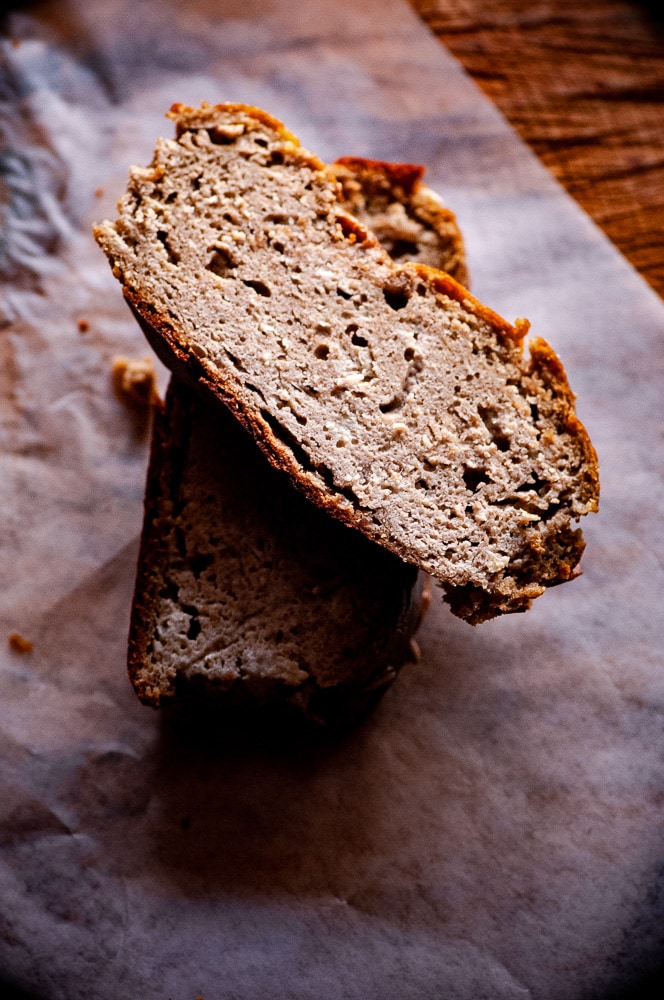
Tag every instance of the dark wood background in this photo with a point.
(583, 83)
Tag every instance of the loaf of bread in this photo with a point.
(393, 399)
(246, 593)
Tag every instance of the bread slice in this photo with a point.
(245, 590)
(395, 400)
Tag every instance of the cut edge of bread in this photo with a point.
(471, 600)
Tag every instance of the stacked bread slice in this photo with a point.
(246, 590)
(391, 399)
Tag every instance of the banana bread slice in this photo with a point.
(395, 400)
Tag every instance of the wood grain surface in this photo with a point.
(583, 84)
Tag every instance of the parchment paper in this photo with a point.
(495, 828)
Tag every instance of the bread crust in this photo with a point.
(409, 219)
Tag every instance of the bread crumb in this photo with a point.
(83, 326)
(19, 644)
(135, 381)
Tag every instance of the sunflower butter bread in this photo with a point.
(249, 594)
(392, 398)
(246, 593)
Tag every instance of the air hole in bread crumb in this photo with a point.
(359, 340)
(403, 248)
(234, 360)
(394, 404)
(395, 300)
(421, 484)
(322, 352)
(220, 262)
(409, 353)
(539, 486)
(473, 478)
(200, 562)
(221, 136)
(258, 286)
(173, 256)
(489, 418)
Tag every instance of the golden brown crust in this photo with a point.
(186, 117)
(353, 230)
(406, 176)
(446, 285)
(369, 184)
(546, 362)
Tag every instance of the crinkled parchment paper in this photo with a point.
(495, 829)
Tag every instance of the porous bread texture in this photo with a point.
(246, 590)
(408, 219)
(395, 400)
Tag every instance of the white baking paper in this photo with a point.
(495, 829)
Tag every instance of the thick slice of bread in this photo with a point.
(395, 400)
(247, 590)
(244, 589)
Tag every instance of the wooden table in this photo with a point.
(583, 84)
